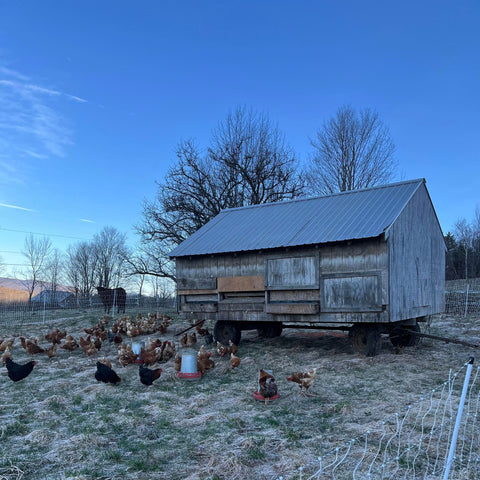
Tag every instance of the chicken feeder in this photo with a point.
(188, 369)
(137, 349)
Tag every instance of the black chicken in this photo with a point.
(148, 376)
(106, 374)
(17, 372)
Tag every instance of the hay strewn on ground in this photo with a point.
(60, 423)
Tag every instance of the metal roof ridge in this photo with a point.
(348, 192)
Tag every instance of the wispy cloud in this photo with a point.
(12, 73)
(28, 87)
(86, 221)
(16, 207)
(31, 125)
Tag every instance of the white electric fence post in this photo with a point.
(451, 453)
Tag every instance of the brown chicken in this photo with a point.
(183, 341)
(31, 346)
(232, 348)
(234, 361)
(267, 386)
(191, 339)
(304, 379)
(162, 328)
(52, 351)
(169, 351)
(178, 362)
(7, 343)
(88, 346)
(204, 364)
(201, 331)
(6, 354)
(202, 353)
(148, 357)
(85, 343)
(106, 362)
(221, 349)
(126, 355)
(55, 336)
(70, 344)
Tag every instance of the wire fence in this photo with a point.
(462, 297)
(437, 437)
(25, 313)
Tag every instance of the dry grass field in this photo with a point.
(60, 423)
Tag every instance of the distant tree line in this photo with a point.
(85, 265)
(463, 249)
(102, 261)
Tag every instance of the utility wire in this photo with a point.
(44, 234)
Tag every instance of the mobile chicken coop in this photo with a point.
(369, 261)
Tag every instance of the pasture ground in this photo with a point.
(60, 423)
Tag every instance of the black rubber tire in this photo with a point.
(225, 331)
(364, 339)
(270, 330)
(401, 338)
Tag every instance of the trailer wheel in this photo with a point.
(364, 339)
(270, 330)
(225, 331)
(400, 337)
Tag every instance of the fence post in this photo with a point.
(114, 298)
(466, 301)
(44, 305)
(459, 418)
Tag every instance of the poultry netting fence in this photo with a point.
(462, 297)
(23, 313)
(437, 437)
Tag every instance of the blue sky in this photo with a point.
(95, 96)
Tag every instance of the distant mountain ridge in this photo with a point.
(13, 289)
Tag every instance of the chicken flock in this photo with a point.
(152, 351)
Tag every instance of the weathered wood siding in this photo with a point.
(354, 277)
(416, 261)
(332, 283)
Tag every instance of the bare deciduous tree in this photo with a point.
(81, 269)
(110, 249)
(53, 270)
(36, 251)
(247, 163)
(351, 151)
(464, 233)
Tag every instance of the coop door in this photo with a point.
(292, 272)
(352, 293)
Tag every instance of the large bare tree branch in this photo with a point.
(248, 162)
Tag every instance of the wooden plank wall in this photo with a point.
(354, 276)
(417, 261)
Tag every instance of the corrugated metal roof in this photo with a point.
(344, 216)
